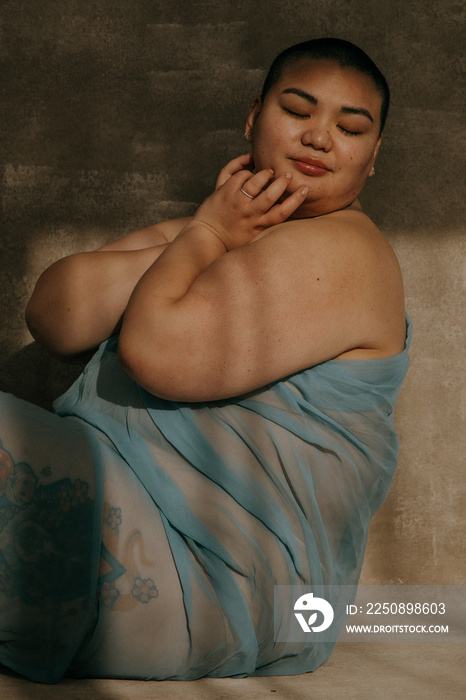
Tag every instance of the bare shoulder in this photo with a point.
(349, 256)
(303, 293)
(340, 229)
(348, 238)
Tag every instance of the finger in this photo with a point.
(282, 211)
(243, 162)
(253, 185)
(269, 195)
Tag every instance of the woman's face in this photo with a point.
(321, 123)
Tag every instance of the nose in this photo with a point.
(317, 136)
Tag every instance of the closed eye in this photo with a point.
(348, 132)
(300, 115)
(296, 114)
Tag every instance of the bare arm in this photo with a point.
(157, 234)
(79, 301)
(204, 324)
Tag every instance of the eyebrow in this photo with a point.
(344, 110)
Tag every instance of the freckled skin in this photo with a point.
(195, 304)
(316, 131)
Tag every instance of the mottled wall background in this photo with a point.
(119, 113)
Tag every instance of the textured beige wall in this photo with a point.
(119, 113)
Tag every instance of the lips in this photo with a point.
(310, 166)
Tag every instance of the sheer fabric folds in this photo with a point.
(142, 538)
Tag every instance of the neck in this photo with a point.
(354, 206)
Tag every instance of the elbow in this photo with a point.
(44, 335)
(141, 364)
(32, 317)
(37, 322)
(55, 320)
(156, 367)
(126, 356)
(51, 331)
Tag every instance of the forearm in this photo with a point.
(175, 325)
(151, 319)
(79, 301)
(148, 237)
(170, 277)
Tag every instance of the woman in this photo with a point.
(234, 431)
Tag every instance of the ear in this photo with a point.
(254, 112)
(376, 150)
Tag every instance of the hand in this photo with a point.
(244, 162)
(236, 218)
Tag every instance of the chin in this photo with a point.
(309, 210)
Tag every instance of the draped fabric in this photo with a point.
(143, 538)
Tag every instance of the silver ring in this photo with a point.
(247, 194)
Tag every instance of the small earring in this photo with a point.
(247, 135)
(373, 170)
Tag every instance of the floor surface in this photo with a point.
(356, 671)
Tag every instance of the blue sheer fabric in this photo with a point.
(176, 520)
